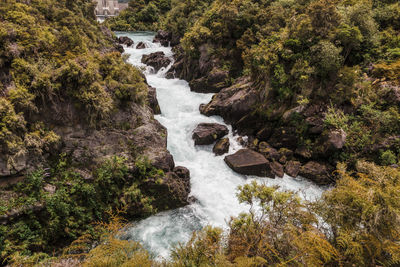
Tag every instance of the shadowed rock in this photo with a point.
(125, 40)
(156, 60)
(208, 133)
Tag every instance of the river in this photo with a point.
(213, 183)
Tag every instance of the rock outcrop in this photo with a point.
(212, 83)
(320, 173)
(232, 103)
(208, 133)
(125, 41)
(163, 37)
(249, 162)
(156, 60)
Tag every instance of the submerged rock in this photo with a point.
(208, 133)
(249, 162)
(156, 60)
(125, 41)
(221, 147)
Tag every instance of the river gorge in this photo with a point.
(213, 183)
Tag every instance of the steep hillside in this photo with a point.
(319, 78)
(77, 135)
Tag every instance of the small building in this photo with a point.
(108, 8)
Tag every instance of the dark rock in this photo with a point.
(303, 152)
(319, 173)
(249, 162)
(316, 125)
(156, 60)
(153, 102)
(277, 169)
(212, 83)
(163, 38)
(292, 168)
(221, 147)
(284, 137)
(265, 133)
(119, 48)
(270, 153)
(141, 45)
(208, 133)
(182, 172)
(125, 41)
(286, 152)
(234, 102)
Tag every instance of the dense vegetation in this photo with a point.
(354, 224)
(141, 15)
(59, 67)
(341, 55)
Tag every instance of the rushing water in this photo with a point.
(213, 183)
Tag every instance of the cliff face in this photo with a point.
(77, 134)
(315, 78)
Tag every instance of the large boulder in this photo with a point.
(234, 102)
(156, 60)
(249, 162)
(208, 133)
(125, 41)
(212, 83)
(319, 173)
(221, 147)
(292, 168)
(163, 37)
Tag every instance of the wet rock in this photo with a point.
(212, 83)
(208, 133)
(292, 168)
(141, 45)
(153, 102)
(221, 147)
(163, 37)
(277, 169)
(319, 173)
(125, 41)
(249, 162)
(234, 102)
(286, 152)
(156, 60)
(270, 153)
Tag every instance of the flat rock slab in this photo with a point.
(249, 162)
(208, 133)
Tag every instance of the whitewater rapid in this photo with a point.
(213, 183)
